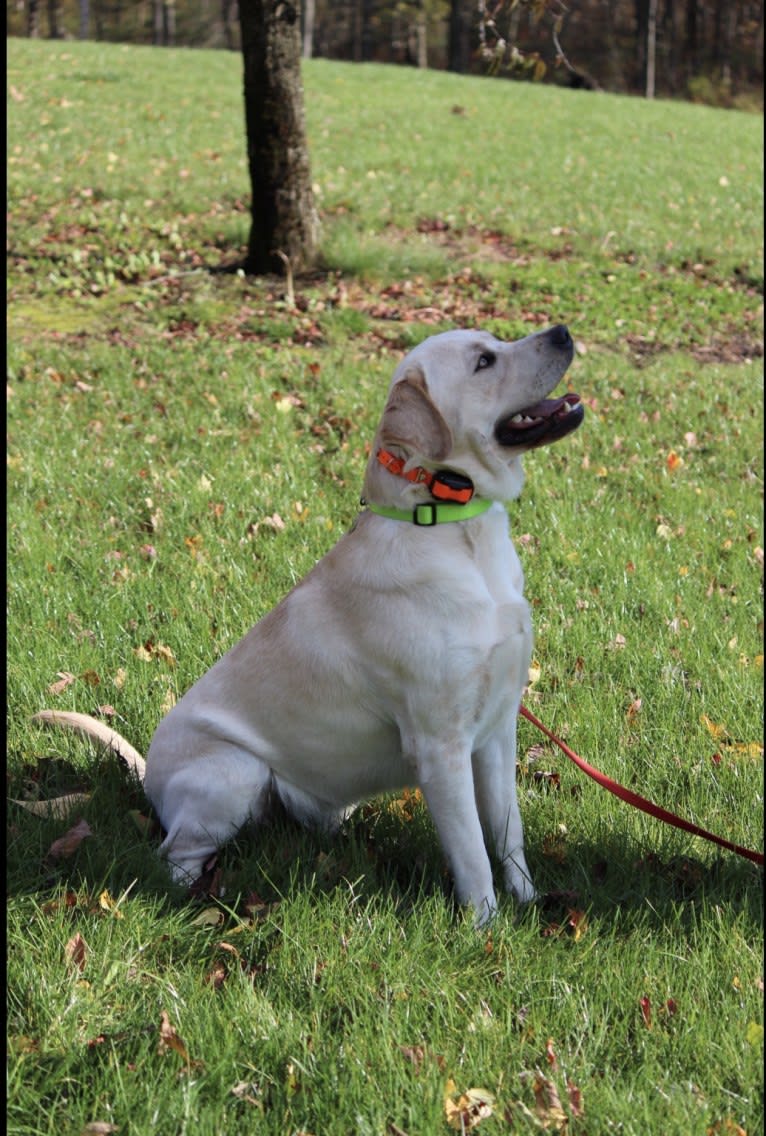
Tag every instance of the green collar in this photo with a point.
(430, 513)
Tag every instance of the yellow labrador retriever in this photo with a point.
(401, 658)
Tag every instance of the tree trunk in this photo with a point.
(651, 47)
(421, 25)
(84, 18)
(55, 27)
(459, 38)
(228, 35)
(309, 13)
(284, 218)
(33, 19)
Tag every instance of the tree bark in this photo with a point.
(651, 47)
(33, 19)
(309, 14)
(284, 228)
(459, 38)
(421, 31)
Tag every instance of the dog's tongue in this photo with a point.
(545, 421)
(531, 415)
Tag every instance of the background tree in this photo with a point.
(284, 227)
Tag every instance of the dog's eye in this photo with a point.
(486, 359)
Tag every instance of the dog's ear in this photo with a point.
(411, 419)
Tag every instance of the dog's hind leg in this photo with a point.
(204, 804)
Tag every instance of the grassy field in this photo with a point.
(184, 444)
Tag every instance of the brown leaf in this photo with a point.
(68, 844)
(169, 1039)
(76, 952)
(217, 976)
(646, 1011)
(65, 679)
(548, 1104)
(575, 1099)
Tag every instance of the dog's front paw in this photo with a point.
(518, 881)
(484, 912)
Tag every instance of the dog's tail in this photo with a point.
(98, 732)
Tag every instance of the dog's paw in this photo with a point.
(519, 884)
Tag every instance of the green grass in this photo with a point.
(183, 446)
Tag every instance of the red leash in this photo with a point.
(640, 802)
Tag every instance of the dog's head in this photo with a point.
(470, 404)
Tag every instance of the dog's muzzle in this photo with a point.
(546, 421)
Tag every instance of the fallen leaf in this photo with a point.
(470, 1108)
(418, 1054)
(76, 952)
(550, 1054)
(575, 1099)
(717, 731)
(106, 903)
(633, 709)
(68, 844)
(646, 1011)
(248, 1091)
(210, 917)
(726, 1127)
(217, 976)
(99, 1128)
(548, 1104)
(165, 653)
(64, 680)
(169, 1039)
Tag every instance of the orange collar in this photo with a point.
(444, 484)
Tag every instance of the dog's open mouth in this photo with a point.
(546, 421)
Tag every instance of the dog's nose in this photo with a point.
(559, 336)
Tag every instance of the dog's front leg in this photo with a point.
(446, 780)
(494, 767)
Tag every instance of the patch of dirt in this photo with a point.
(721, 349)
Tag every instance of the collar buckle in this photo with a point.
(426, 514)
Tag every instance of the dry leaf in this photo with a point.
(717, 731)
(65, 679)
(165, 653)
(575, 1099)
(76, 952)
(548, 1104)
(247, 1091)
(68, 844)
(646, 1011)
(106, 903)
(470, 1108)
(210, 917)
(169, 1039)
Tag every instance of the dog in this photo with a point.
(401, 658)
